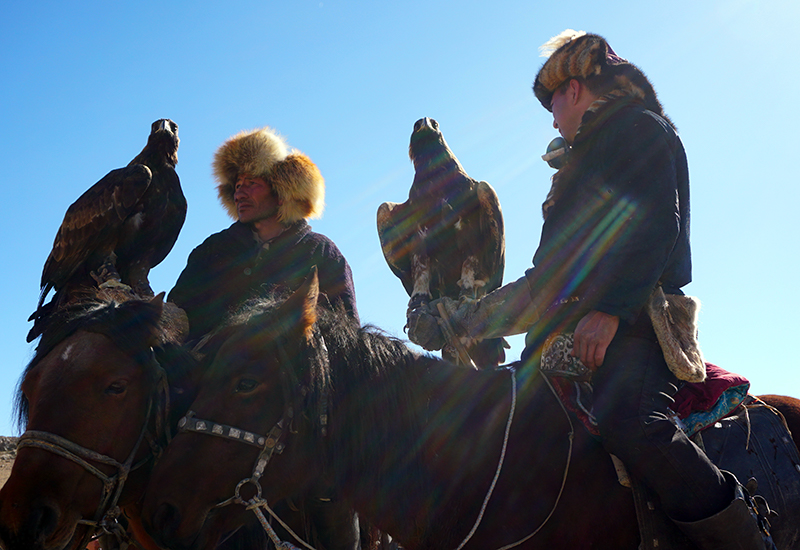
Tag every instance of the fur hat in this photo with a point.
(262, 153)
(576, 54)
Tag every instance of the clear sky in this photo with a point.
(344, 82)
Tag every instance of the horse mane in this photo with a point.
(355, 355)
(132, 324)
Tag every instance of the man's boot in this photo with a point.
(742, 525)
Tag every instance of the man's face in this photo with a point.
(567, 111)
(254, 199)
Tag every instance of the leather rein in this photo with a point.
(106, 516)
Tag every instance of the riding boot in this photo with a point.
(335, 524)
(741, 525)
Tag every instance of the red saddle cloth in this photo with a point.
(703, 396)
(697, 405)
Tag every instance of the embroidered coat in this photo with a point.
(619, 222)
(230, 267)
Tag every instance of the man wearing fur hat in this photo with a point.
(616, 232)
(270, 191)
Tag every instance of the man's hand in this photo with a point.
(593, 336)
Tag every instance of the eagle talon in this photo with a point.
(112, 283)
(416, 302)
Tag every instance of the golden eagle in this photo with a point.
(120, 228)
(447, 239)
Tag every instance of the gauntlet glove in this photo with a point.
(503, 312)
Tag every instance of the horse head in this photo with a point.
(264, 367)
(93, 402)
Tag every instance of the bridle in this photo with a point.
(270, 444)
(106, 515)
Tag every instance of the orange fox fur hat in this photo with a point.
(262, 153)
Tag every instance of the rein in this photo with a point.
(500, 466)
(563, 477)
(271, 444)
(107, 512)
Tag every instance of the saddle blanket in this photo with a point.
(697, 405)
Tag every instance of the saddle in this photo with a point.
(738, 432)
(755, 445)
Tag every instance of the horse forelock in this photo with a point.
(129, 325)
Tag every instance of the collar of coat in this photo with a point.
(595, 116)
(248, 238)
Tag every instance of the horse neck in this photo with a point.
(410, 443)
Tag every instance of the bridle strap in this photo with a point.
(270, 444)
(190, 423)
(74, 452)
(107, 511)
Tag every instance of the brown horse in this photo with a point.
(94, 402)
(437, 456)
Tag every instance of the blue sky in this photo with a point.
(345, 82)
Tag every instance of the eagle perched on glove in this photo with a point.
(447, 239)
(120, 228)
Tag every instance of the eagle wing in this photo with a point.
(92, 223)
(397, 232)
(493, 250)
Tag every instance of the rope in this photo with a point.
(256, 505)
(499, 463)
(563, 478)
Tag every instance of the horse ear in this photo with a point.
(158, 301)
(301, 306)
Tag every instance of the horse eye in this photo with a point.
(245, 385)
(117, 388)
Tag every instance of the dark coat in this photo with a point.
(621, 221)
(230, 267)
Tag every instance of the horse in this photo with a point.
(95, 405)
(435, 455)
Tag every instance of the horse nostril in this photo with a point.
(41, 523)
(166, 518)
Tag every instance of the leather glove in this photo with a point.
(505, 311)
(423, 328)
(460, 314)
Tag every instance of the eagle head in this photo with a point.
(428, 149)
(164, 140)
